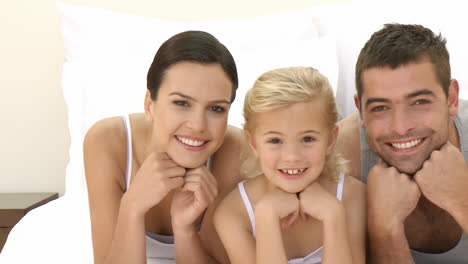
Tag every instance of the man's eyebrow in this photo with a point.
(420, 92)
(220, 101)
(376, 100)
(411, 95)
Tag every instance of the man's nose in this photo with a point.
(401, 122)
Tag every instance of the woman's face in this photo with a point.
(190, 113)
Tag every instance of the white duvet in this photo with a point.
(57, 232)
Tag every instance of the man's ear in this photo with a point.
(148, 107)
(357, 102)
(452, 98)
(251, 142)
(332, 139)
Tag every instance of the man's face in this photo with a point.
(405, 113)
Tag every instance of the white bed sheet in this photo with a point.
(57, 232)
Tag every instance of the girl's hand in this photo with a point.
(283, 205)
(157, 176)
(317, 202)
(199, 190)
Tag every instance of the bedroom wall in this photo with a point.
(34, 137)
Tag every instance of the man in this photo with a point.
(412, 132)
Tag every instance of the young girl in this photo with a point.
(301, 208)
(154, 178)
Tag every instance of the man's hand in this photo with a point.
(391, 197)
(443, 179)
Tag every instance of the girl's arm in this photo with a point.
(354, 201)
(336, 247)
(225, 167)
(346, 232)
(270, 247)
(320, 204)
(234, 229)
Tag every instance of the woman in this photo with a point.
(154, 178)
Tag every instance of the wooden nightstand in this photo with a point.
(13, 206)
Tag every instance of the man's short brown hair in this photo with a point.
(399, 44)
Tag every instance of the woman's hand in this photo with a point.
(199, 190)
(157, 176)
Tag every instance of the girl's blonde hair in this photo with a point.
(283, 87)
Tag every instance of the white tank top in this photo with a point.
(159, 248)
(312, 258)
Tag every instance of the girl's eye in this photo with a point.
(217, 109)
(181, 103)
(308, 139)
(274, 141)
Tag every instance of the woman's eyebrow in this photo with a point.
(219, 101)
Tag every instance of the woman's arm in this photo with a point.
(118, 235)
(118, 219)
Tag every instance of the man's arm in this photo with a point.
(388, 245)
(391, 197)
(443, 179)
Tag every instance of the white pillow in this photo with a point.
(108, 55)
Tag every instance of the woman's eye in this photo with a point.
(274, 141)
(181, 103)
(217, 109)
(308, 139)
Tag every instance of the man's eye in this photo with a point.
(421, 102)
(379, 108)
(217, 109)
(181, 103)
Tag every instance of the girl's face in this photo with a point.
(190, 113)
(292, 143)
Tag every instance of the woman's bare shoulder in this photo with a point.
(110, 133)
(227, 160)
(234, 137)
(106, 135)
(104, 151)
